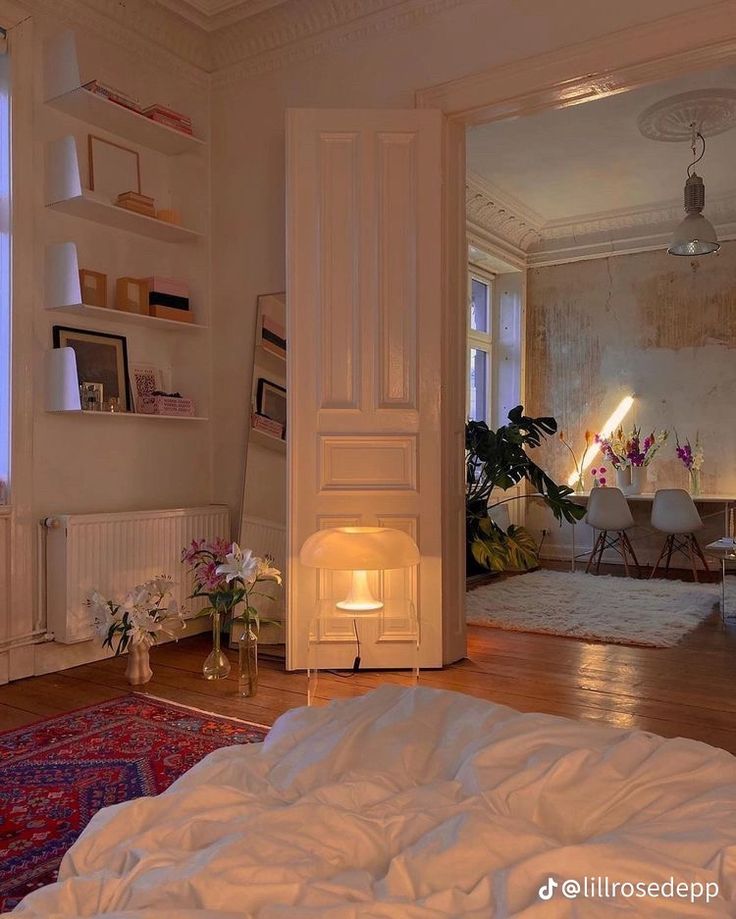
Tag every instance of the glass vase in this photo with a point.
(694, 481)
(580, 485)
(217, 666)
(138, 670)
(247, 662)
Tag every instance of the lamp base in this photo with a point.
(349, 606)
(360, 599)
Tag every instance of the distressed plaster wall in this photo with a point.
(648, 324)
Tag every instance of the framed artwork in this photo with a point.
(145, 379)
(101, 358)
(271, 401)
(113, 169)
(272, 324)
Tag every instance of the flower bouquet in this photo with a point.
(629, 453)
(228, 576)
(136, 623)
(692, 459)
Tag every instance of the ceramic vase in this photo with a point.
(217, 666)
(247, 663)
(623, 479)
(138, 670)
(638, 480)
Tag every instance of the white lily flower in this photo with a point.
(267, 572)
(239, 564)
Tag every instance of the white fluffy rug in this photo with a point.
(597, 607)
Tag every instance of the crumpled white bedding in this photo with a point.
(412, 804)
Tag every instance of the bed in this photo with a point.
(414, 804)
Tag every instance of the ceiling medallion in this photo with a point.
(713, 111)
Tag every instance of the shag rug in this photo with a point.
(620, 610)
(57, 773)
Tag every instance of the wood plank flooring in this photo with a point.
(688, 690)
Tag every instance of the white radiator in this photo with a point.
(267, 538)
(114, 552)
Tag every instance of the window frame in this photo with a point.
(483, 341)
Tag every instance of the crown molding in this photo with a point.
(499, 215)
(291, 33)
(211, 15)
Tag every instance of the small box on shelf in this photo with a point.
(267, 426)
(93, 286)
(131, 295)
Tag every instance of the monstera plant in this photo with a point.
(499, 460)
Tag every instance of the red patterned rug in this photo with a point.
(57, 773)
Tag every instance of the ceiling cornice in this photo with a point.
(211, 15)
(293, 32)
(500, 215)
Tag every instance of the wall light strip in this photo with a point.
(621, 411)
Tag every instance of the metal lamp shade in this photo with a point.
(695, 235)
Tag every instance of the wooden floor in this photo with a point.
(688, 690)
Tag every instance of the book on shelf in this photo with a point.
(138, 208)
(267, 426)
(156, 298)
(113, 95)
(168, 117)
(168, 312)
(172, 286)
(137, 197)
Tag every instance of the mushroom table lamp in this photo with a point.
(360, 550)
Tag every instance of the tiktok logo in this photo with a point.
(547, 891)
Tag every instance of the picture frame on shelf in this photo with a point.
(145, 379)
(113, 168)
(271, 402)
(101, 358)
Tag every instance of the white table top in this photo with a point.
(649, 496)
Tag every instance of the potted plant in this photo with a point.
(499, 460)
(136, 623)
(229, 578)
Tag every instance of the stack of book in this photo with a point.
(114, 95)
(134, 201)
(168, 298)
(169, 117)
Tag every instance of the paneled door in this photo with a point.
(376, 318)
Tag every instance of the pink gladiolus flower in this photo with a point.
(602, 469)
(602, 481)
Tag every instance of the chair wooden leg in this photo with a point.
(670, 550)
(701, 555)
(592, 554)
(600, 551)
(691, 553)
(627, 542)
(661, 556)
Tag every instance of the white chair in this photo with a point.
(674, 513)
(609, 513)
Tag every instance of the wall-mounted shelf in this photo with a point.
(64, 192)
(265, 440)
(94, 109)
(139, 416)
(99, 312)
(63, 294)
(63, 90)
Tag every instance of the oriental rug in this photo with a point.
(57, 773)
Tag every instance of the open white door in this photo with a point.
(376, 351)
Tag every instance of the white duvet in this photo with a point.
(412, 804)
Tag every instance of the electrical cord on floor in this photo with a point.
(356, 662)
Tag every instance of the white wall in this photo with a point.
(649, 324)
(77, 464)
(381, 70)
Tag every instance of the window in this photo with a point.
(479, 347)
(4, 272)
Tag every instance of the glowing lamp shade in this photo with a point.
(359, 550)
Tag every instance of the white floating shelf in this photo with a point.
(64, 192)
(62, 78)
(89, 207)
(133, 415)
(63, 294)
(265, 440)
(94, 109)
(101, 312)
